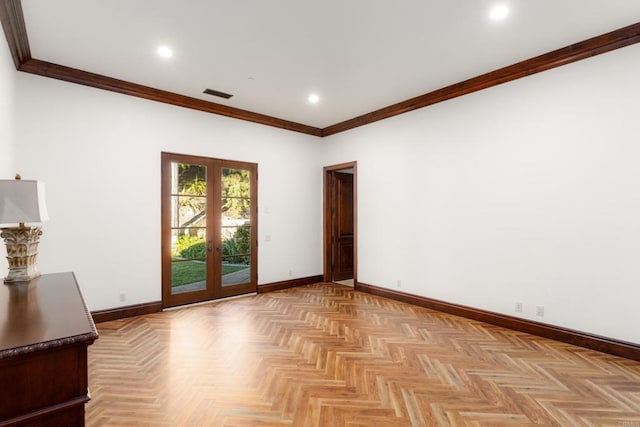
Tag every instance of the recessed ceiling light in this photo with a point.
(313, 98)
(164, 52)
(499, 12)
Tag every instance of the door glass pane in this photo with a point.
(236, 226)
(188, 228)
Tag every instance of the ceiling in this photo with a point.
(357, 55)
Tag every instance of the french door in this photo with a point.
(209, 228)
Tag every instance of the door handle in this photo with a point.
(209, 249)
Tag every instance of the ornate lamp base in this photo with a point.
(22, 251)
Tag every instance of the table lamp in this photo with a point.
(21, 202)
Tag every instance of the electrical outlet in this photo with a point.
(123, 296)
(267, 238)
(540, 310)
(518, 307)
(290, 273)
(398, 284)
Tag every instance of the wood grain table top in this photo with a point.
(46, 312)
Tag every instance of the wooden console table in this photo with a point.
(45, 329)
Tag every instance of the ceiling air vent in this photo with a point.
(217, 93)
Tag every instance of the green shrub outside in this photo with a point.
(238, 245)
(184, 242)
(194, 247)
(198, 250)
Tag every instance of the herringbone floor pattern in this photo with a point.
(326, 355)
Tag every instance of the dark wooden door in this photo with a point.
(342, 233)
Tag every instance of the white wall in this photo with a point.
(528, 192)
(523, 192)
(99, 154)
(7, 99)
(7, 132)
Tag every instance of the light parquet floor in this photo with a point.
(326, 355)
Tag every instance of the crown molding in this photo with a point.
(61, 72)
(576, 52)
(15, 30)
(16, 34)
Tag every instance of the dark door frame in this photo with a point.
(215, 288)
(327, 218)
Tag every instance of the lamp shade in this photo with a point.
(22, 201)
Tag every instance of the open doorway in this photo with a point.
(340, 223)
